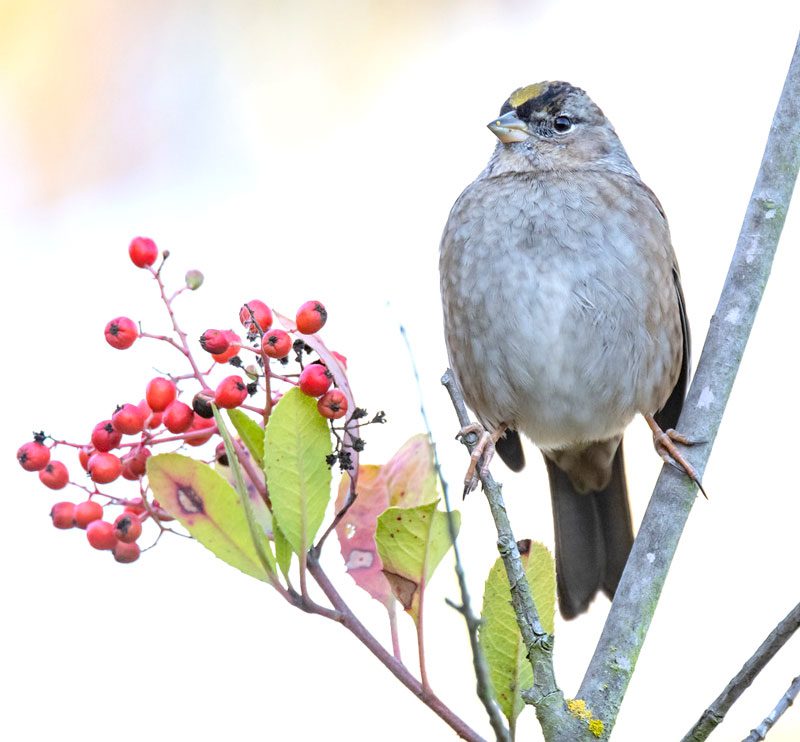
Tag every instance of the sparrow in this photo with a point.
(564, 317)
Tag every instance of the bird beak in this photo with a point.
(509, 128)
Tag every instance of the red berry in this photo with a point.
(214, 341)
(235, 343)
(134, 463)
(276, 344)
(151, 419)
(121, 333)
(105, 437)
(332, 404)
(128, 419)
(160, 393)
(256, 317)
(126, 553)
(315, 380)
(143, 252)
(54, 475)
(230, 392)
(104, 467)
(311, 317)
(201, 423)
(63, 514)
(135, 506)
(178, 417)
(162, 514)
(127, 528)
(84, 454)
(33, 456)
(101, 535)
(86, 512)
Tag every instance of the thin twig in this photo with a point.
(715, 713)
(556, 721)
(760, 732)
(636, 597)
(184, 345)
(481, 668)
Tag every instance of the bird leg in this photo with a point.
(664, 442)
(482, 453)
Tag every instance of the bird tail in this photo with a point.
(593, 535)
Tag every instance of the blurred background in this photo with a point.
(312, 149)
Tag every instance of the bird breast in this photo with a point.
(555, 313)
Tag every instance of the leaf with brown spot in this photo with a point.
(356, 531)
(509, 668)
(208, 507)
(411, 543)
(408, 479)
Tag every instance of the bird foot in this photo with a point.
(664, 442)
(481, 454)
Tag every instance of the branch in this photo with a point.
(556, 720)
(715, 713)
(615, 657)
(760, 732)
(397, 668)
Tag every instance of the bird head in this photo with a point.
(554, 125)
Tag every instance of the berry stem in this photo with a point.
(184, 346)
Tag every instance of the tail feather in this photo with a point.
(593, 535)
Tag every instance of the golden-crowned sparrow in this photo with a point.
(564, 317)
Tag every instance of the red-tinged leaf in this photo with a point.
(356, 532)
(410, 475)
(407, 480)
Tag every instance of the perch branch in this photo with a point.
(616, 654)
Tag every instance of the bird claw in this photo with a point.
(481, 455)
(664, 442)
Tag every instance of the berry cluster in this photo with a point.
(172, 415)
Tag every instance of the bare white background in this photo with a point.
(313, 150)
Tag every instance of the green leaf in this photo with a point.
(207, 506)
(254, 507)
(296, 444)
(283, 551)
(509, 667)
(411, 543)
(251, 433)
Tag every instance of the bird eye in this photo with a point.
(562, 123)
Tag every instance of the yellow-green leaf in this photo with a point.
(251, 433)
(509, 668)
(299, 479)
(254, 507)
(207, 506)
(283, 551)
(411, 543)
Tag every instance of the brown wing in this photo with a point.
(667, 416)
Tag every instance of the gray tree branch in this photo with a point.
(760, 732)
(558, 724)
(715, 713)
(615, 657)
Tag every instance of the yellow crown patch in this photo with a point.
(523, 95)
